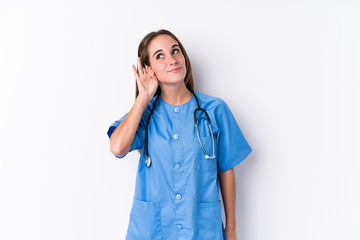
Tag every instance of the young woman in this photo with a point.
(189, 144)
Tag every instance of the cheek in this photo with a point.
(181, 58)
(160, 67)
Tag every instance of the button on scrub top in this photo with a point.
(177, 197)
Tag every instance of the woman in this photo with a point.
(178, 178)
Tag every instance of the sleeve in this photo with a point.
(139, 135)
(232, 145)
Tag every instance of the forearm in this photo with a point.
(228, 192)
(123, 136)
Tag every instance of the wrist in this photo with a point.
(230, 227)
(230, 234)
(143, 98)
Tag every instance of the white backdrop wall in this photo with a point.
(289, 71)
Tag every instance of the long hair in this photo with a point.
(143, 53)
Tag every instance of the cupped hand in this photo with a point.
(146, 80)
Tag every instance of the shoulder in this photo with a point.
(210, 103)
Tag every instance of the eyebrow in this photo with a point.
(175, 45)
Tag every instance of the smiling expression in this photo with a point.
(166, 59)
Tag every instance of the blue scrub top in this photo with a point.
(177, 197)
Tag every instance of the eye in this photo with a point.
(174, 51)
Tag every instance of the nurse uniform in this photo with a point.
(177, 197)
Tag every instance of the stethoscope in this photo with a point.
(148, 160)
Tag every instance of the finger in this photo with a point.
(140, 68)
(135, 71)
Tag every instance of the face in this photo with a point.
(166, 60)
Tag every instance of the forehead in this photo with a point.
(162, 41)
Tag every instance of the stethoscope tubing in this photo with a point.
(148, 161)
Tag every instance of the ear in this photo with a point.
(148, 69)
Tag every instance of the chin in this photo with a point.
(173, 80)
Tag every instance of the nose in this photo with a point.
(171, 60)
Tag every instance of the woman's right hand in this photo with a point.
(147, 82)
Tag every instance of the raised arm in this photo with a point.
(123, 136)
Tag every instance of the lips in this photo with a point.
(175, 70)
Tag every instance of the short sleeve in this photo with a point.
(139, 135)
(232, 145)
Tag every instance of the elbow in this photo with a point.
(115, 151)
(118, 149)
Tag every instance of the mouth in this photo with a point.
(175, 70)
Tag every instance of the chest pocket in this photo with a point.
(203, 164)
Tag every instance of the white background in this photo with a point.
(289, 71)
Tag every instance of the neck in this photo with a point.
(175, 94)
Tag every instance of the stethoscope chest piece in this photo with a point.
(148, 161)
